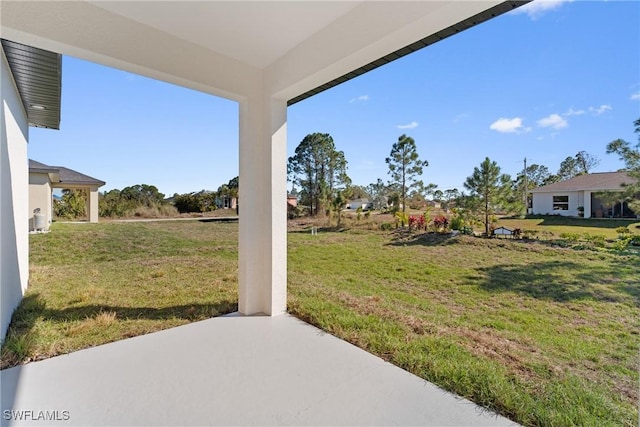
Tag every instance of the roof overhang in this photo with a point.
(286, 50)
(37, 74)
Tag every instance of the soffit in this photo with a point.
(37, 74)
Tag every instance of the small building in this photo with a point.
(43, 179)
(503, 231)
(292, 200)
(363, 203)
(583, 194)
(226, 202)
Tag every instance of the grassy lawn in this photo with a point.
(543, 334)
(95, 283)
(557, 225)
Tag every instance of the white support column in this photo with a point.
(263, 207)
(92, 204)
(587, 204)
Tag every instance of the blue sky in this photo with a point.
(543, 83)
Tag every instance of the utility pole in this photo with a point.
(526, 189)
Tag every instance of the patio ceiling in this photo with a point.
(295, 49)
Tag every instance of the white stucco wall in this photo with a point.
(543, 203)
(39, 196)
(14, 184)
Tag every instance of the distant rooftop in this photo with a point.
(66, 175)
(601, 181)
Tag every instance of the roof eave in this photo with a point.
(38, 76)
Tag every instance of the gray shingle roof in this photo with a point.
(67, 176)
(41, 167)
(601, 181)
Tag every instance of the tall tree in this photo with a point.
(449, 197)
(319, 170)
(379, 192)
(581, 163)
(405, 166)
(489, 187)
(631, 158)
(586, 162)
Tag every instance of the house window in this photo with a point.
(560, 203)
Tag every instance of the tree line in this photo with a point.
(319, 171)
(143, 200)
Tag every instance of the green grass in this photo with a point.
(95, 283)
(557, 225)
(542, 334)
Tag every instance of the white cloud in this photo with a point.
(361, 98)
(554, 121)
(635, 96)
(537, 8)
(503, 125)
(600, 110)
(573, 112)
(411, 125)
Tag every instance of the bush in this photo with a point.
(386, 226)
(571, 237)
(195, 202)
(597, 240)
(72, 204)
(440, 223)
(621, 244)
(457, 223)
(623, 230)
(402, 219)
(416, 222)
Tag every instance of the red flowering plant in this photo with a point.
(416, 222)
(440, 223)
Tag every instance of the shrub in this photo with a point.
(440, 223)
(416, 222)
(402, 219)
(386, 226)
(621, 244)
(457, 223)
(571, 237)
(623, 230)
(597, 240)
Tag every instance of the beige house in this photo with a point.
(44, 178)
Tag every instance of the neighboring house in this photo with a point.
(583, 191)
(434, 204)
(363, 203)
(292, 200)
(226, 202)
(44, 178)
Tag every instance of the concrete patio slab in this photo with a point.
(230, 370)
